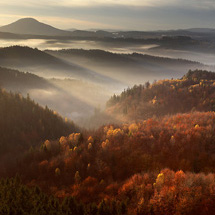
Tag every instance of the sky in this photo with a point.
(144, 15)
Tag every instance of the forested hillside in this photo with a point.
(32, 201)
(128, 68)
(25, 124)
(128, 163)
(108, 109)
(27, 55)
(18, 81)
(101, 57)
(194, 92)
(163, 163)
(72, 98)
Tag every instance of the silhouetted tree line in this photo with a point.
(25, 52)
(199, 75)
(101, 56)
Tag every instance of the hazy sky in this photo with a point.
(113, 14)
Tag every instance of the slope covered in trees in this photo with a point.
(162, 165)
(18, 81)
(24, 124)
(46, 65)
(195, 91)
(32, 201)
(101, 56)
(128, 163)
(26, 56)
(70, 97)
(127, 68)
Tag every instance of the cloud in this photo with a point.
(93, 3)
(121, 14)
(88, 3)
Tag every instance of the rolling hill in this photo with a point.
(130, 69)
(71, 98)
(16, 81)
(43, 64)
(193, 92)
(201, 30)
(25, 124)
(20, 56)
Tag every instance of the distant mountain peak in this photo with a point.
(28, 19)
(32, 26)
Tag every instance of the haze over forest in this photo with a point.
(97, 64)
(107, 107)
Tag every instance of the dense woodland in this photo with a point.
(156, 163)
(101, 56)
(128, 163)
(25, 53)
(17, 199)
(193, 92)
(28, 121)
(33, 59)
(17, 81)
(25, 124)
(127, 69)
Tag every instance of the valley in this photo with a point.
(106, 122)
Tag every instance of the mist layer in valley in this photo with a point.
(76, 83)
(75, 73)
(124, 48)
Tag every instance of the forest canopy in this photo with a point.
(193, 92)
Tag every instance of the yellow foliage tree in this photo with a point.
(90, 146)
(57, 172)
(63, 140)
(133, 128)
(90, 139)
(47, 144)
(77, 177)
